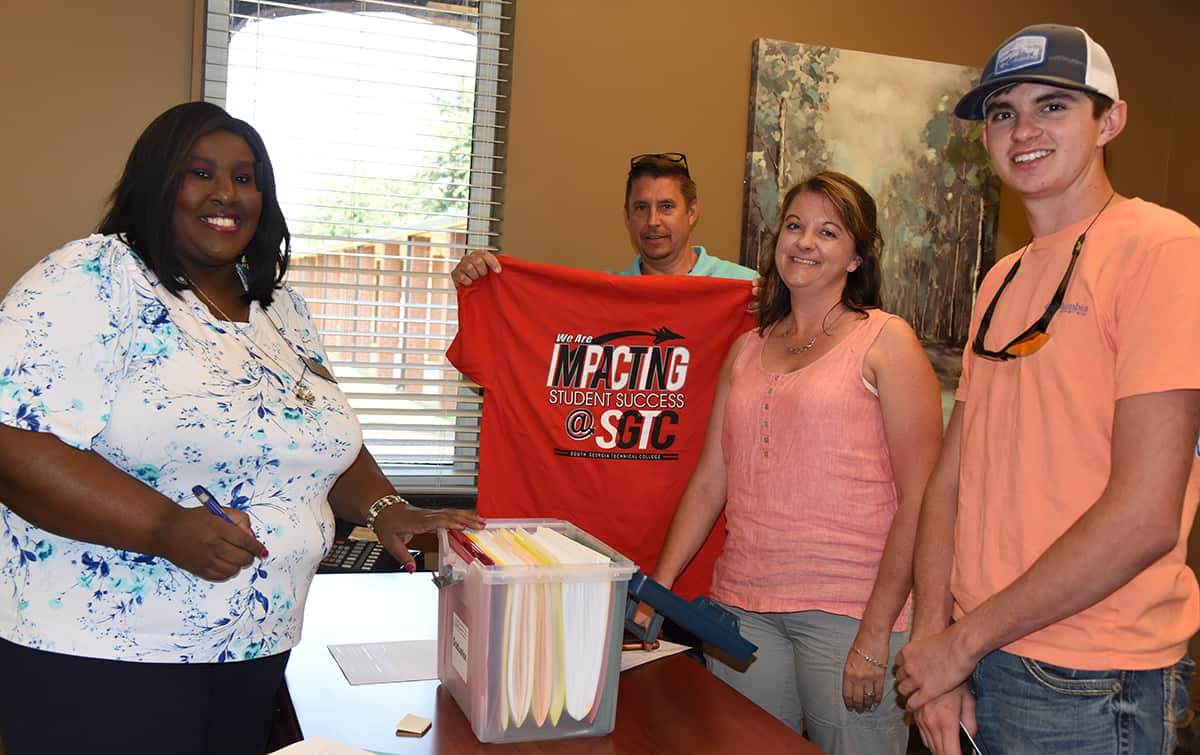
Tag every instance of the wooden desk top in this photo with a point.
(668, 706)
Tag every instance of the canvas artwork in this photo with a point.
(888, 123)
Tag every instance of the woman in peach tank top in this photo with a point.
(826, 423)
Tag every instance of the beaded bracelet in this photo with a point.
(378, 506)
(869, 659)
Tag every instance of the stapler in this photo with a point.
(700, 616)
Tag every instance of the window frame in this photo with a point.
(458, 476)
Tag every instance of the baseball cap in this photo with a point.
(1062, 56)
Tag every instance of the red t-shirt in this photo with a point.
(597, 394)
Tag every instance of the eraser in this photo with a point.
(413, 726)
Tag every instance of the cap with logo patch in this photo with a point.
(1062, 56)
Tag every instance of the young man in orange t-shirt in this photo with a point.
(1070, 473)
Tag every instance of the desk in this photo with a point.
(668, 706)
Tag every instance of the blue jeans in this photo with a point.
(1026, 707)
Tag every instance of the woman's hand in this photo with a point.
(862, 680)
(396, 525)
(473, 267)
(207, 546)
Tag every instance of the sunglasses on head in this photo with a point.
(1035, 336)
(675, 158)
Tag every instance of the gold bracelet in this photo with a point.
(378, 506)
(869, 659)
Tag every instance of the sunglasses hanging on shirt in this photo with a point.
(1035, 336)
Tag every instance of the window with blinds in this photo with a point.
(385, 124)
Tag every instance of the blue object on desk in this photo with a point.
(210, 502)
(701, 616)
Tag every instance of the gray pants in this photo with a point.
(796, 676)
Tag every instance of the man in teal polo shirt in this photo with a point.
(661, 208)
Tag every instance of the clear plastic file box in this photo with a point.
(532, 652)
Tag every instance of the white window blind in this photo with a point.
(385, 124)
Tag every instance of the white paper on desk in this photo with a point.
(320, 746)
(382, 662)
(632, 658)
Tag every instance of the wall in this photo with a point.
(80, 82)
(592, 88)
(1183, 159)
(593, 83)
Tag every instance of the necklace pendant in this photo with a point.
(804, 348)
(305, 394)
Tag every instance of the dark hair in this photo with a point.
(142, 205)
(857, 211)
(1100, 103)
(662, 169)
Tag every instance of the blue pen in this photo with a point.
(210, 502)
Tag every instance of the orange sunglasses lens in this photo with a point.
(1027, 346)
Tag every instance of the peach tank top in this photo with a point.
(810, 492)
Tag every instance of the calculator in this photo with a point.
(350, 556)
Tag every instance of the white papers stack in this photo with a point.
(555, 633)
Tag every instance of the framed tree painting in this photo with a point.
(888, 123)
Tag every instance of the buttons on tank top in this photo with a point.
(766, 413)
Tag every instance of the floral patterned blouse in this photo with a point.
(94, 350)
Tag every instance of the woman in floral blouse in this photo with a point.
(160, 356)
